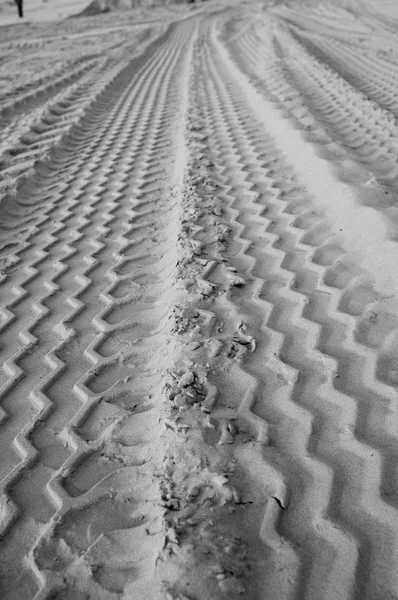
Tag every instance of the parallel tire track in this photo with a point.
(359, 144)
(80, 261)
(194, 401)
(307, 313)
(36, 124)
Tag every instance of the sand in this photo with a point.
(199, 301)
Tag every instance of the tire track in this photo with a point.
(31, 138)
(370, 133)
(27, 98)
(99, 192)
(372, 429)
(198, 393)
(62, 164)
(237, 147)
(375, 76)
(28, 139)
(373, 186)
(107, 430)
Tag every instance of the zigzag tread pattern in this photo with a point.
(196, 397)
(43, 115)
(79, 253)
(304, 330)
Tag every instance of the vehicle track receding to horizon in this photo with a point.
(199, 315)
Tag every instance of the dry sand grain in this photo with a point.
(199, 302)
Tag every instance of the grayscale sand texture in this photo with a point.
(199, 300)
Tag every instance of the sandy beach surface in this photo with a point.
(199, 300)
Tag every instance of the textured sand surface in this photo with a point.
(38, 11)
(199, 304)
